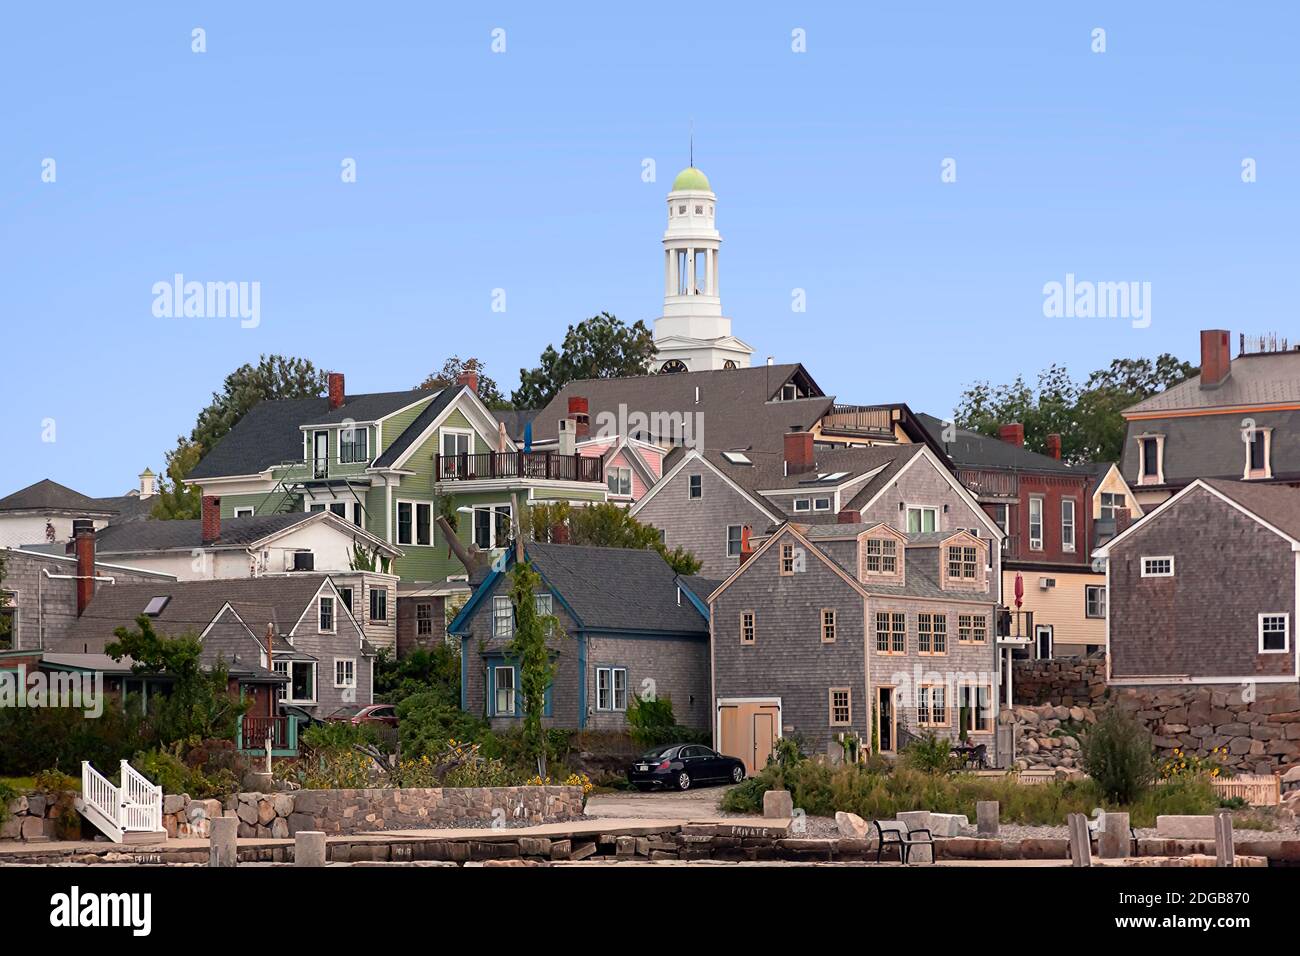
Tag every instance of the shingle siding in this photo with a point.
(674, 668)
(1210, 446)
(1204, 620)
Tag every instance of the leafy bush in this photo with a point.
(427, 721)
(432, 670)
(203, 771)
(651, 723)
(929, 754)
(7, 794)
(56, 781)
(1118, 755)
(33, 739)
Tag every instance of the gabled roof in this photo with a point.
(735, 404)
(267, 435)
(832, 467)
(370, 407)
(184, 535)
(280, 600)
(46, 495)
(129, 507)
(1259, 378)
(412, 432)
(972, 450)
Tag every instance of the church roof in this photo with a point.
(691, 178)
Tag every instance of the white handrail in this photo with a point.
(135, 806)
(99, 793)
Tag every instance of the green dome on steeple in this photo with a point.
(691, 178)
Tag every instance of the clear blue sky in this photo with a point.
(522, 171)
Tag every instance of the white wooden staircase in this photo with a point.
(131, 813)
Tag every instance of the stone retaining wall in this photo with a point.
(42, 816)
(1068, 682)
(1259, 724)
(281, 815)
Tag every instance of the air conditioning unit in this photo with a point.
(1046, 584)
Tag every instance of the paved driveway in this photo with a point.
(701, 804)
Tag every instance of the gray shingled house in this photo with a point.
(630, 627)
(856, 629)
(1203, 590)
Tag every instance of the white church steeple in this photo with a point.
(692, 334)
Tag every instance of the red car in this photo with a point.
(385, 714)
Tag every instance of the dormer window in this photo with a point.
(882, 556)
(1150, 459)
(354, 445)
(1259, 445)
(789, 392)
(963, 562)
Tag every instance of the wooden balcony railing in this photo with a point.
(548, 465)
(1001, 484)
(859, 418)
(254, 731)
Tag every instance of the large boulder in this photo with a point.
(852, 826)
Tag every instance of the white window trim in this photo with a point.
(1144, 479)
(907, 512)
(345, 660)
(740, 541)
(689, 496)
(288, 697)
(1105, 603)
(1158, 574)
(334, 614)
(1036, 544)
(1267, 471)
(416, 505)
(1073, 525)
(801, 504)
(818, 506)
(616, 472)
(244, 511)
(609, 670)
(494, 508)
(496, 690)
(1286, 643)
(452, 430)
(356, 427)
(496, 599)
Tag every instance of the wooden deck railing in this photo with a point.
(548, 465)
(256, 729)
(859, 418)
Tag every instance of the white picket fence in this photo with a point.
(133, 807)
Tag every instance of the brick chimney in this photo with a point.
(85, 544)
(578, 411)
(798, 452)
(1013, 433)
(1054, 446)
(335, 385)
(1216, 357)
(211, 519)
(849, 516)
(469, 380)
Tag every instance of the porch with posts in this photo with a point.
(254, 730)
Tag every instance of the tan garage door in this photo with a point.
(748, 730)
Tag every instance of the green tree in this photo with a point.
(273, 377)
(175, 498)
(605, 525)
(536, 669)
(456, 366)
(1088, 417)
(599, 347)
(199, 705)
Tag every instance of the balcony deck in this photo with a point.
(543, 465)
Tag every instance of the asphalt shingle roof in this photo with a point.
(1264, 378)
(267, 435)
(422, 421)
(185, 535)
(1279, 505)
(616, 588)
(46, 495)
(973, 450)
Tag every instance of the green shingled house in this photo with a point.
(392, 462)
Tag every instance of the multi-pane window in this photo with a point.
(492, 526)
(504, 679)
(611, 688)
(787, 558)
(415, 522)
(326, 615)
(1036, 524)
(345, 672)
(1273, 632)
(503, 617)
(545, 604)
(619, 481)
(841, 705)
(922, 520)
(963, 562)
(1067, 524)
(974, 713)
(882, 556)
(891, 632)
(424, 522)
(423, 620)
(828, 625)
(696, 486)
(734, 540)
(379, 604)
(972, 629)
(1159, 567)
(1111, 502)
(1094, 600)
(405, 522)
(747, 627)
(931, 633)
(931, 705)
(353, 445)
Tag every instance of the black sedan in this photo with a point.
(682, 766)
